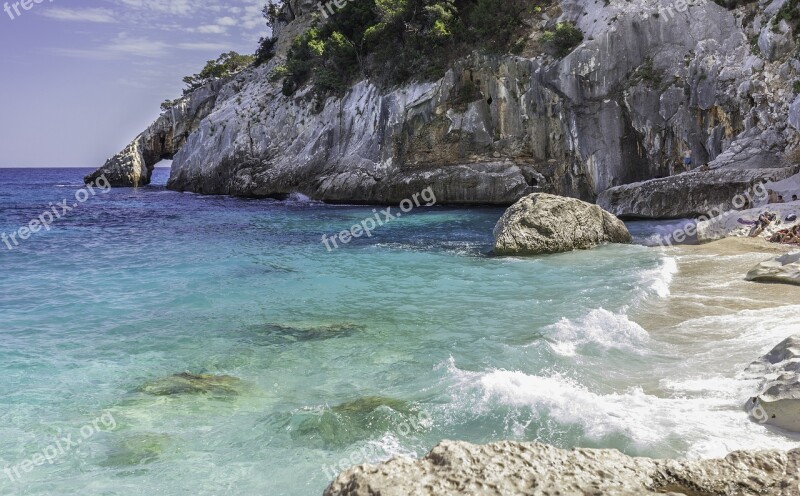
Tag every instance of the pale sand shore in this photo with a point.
(711, 326)
(710, 281)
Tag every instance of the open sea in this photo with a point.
(382, 347)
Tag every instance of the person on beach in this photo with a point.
(764, 220)
(772, 197)
(787, 236)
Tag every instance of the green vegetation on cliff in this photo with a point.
(790, 12)
(225, 65)
(393, 41)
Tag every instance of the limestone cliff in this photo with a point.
(646, 84)
(162, 140)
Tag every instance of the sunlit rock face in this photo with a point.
(646, 85)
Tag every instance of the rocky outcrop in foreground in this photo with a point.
(541, 223)
(784, 269)
(778, 403)
(511, 468)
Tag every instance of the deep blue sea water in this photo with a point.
(382, 347)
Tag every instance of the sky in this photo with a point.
(79, 79)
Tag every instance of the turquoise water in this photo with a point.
(385, 346)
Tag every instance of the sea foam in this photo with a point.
(651, 425)
(599, 329)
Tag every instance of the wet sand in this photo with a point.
(710, 281)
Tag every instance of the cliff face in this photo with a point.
(621, 108)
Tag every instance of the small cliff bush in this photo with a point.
(265, 51)
(790, 12)
(225, 65)
(168, 104)
(563, 39)
(732, 4)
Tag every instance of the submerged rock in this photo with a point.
(542, 223)
(778, 403)
(188, 383)
(280, 333)
(138, 449)
(784, 269)
(511, 468)
(368, 404)
(354, 421)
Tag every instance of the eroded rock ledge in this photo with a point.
(778, 402)
(511, 468)
(693, 194)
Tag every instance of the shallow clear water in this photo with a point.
(385, 346)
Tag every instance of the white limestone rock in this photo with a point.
(541, 224)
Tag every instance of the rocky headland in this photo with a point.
(611, 119)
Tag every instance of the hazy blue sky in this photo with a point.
(80, 78)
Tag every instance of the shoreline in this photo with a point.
(717, 269)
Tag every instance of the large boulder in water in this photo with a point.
(778, 403)
(512, 468)
(784, 269)
(543, 223)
